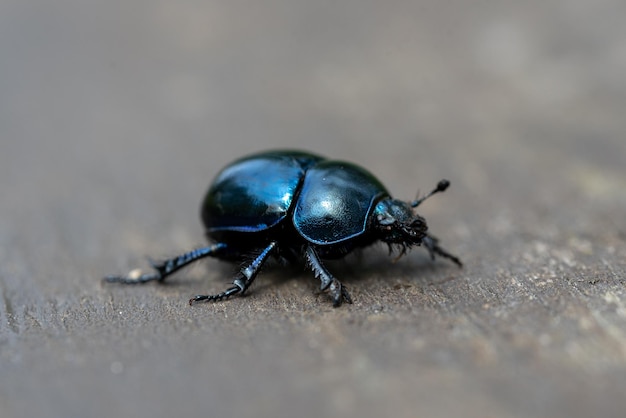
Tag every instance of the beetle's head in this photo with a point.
(398, 224)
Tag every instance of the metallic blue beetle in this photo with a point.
(295, 205)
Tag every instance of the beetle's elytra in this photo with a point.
(294, 205)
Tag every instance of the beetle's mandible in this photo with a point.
(295, 205)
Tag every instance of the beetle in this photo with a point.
(295, 205)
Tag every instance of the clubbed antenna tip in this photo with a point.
(441, 186)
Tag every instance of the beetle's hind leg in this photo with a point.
(337, 291)
(165, 268)
(243, 280)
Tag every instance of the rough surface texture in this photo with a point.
(115, 116)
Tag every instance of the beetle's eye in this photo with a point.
(417, 224)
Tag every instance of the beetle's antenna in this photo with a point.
(441, 186)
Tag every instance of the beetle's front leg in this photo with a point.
(432, 245)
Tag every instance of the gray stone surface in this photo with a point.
(114, 117)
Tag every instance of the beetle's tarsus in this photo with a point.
(431, 244)
(345, 295)
(215, 298)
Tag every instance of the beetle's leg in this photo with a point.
(243, 280)
(167, 267)
(431, 244)
(337, 291)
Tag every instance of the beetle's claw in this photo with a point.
(339, 293)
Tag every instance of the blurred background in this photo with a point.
(116, 115)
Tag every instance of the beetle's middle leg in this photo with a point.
(337, 291)
(243, 280)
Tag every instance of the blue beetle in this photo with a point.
(295, 205)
